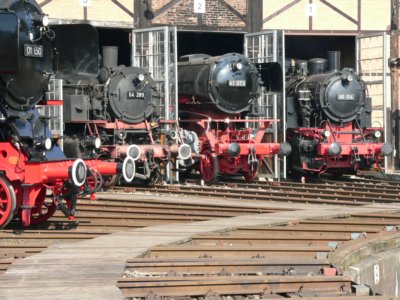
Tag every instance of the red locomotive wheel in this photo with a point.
(44, 208)
(209, 166)
(95, 181)
(7, 202)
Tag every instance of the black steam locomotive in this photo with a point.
(120, 108)
(215, 96)
(31, 160)
(329, 119)
(225, 84)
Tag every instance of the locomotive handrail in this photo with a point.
(330, 128)
(347, 132)
(210, 119)
(359, 127)
(231, 120)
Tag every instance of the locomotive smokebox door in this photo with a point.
(271, 76)
(9, 43)
(77, 52)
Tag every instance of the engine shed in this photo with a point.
(360, 30)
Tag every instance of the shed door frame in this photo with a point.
(155, 49)
(371, 65)
(269, 46)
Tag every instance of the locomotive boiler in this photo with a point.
(121, 107)
(216, 96)
(329, 119)
(30, 158)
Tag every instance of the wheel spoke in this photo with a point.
(45, 209)
(7, 201)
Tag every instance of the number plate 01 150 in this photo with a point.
(33, 50)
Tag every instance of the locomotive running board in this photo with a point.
(76, 58)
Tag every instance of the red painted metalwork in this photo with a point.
(116, 151)
(158, 151)
(217, 135)
(354, 142)
(23, 184)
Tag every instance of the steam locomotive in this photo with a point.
(30, 158)
(329, 119)
(121, 107)
(216, 95)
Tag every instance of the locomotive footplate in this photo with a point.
(246, 148)
(351, 149)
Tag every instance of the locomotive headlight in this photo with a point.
(140, 77)
(47, 144)
(45, 20)
(326, 133)
(97, 143)
(42, 143)
(41, 20)
(91, 142)
(347, 77)
(237, 66)
(377, 134)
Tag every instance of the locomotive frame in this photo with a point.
(228, 150)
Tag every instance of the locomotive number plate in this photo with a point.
(237, 83)
(33, 50)
(346, 97)
(135, 95)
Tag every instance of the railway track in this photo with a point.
(110, 213)
(253, 262)
(329, 192)
(258, 262)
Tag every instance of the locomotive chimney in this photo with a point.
(333, 61)
(110, 56)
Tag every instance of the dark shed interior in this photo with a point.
(218, 43)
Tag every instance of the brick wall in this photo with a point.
(220, 14)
